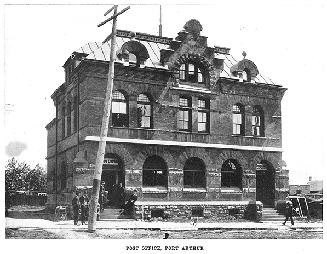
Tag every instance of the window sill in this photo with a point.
(231, 190)
(154, 190)
(194, 190)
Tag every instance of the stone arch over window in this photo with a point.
(231, 174)
(119, 109)
(273, 159)
(200, 153)
(258, 121)
(155, 172)
(144, 111)
(194, 175)
(121, 152)
(193, 68)
(133, 52)
(238, 119)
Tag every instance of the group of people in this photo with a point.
(80, 204)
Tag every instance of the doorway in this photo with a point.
(265, 184)
(114, 181)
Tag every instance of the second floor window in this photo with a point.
(144, 111)
(238, 119)
(203, 115)
(257, 122)
(119, 110)
(191, 73)
(185, 114)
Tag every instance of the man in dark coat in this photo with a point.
(76, 207)
(289, 212)
(83, 204)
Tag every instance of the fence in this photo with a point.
(15, 199)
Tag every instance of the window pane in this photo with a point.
(202, 127)
(200, 77)
(182, 72)
(118, 96)
(185, 115)
(146, 122)
(191, 68)
(143, 98)
(147, 110)
(132, 58)
(115, 107)
(183, 102)
(201, 104)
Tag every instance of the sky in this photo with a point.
(285, 39)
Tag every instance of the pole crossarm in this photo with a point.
(114, 16)
(108, 11)
(107, 39)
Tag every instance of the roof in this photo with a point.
(100, 51)
(154, 44)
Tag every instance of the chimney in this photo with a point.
(310, 178)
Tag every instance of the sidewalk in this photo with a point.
(163, 226)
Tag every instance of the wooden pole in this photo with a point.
(104, 132)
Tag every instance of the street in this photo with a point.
(81, 233)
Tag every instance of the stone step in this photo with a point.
(270, 214)
(111, 213)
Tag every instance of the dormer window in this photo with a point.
(133, 53)
(190, 72)
(132, 59)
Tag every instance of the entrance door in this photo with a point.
(265, 184)
(113, 178)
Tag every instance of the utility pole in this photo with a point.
(105, 121)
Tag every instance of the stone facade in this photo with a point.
(74, 133)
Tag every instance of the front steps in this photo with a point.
(112, 213)
(270, 214)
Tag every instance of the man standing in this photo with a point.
(76, 207)
(289, 212)
(82, 201)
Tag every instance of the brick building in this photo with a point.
(192, 129)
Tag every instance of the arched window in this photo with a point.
(238, 119)
(191, 72)
(63, 122)
(185, 114)
(155, 172)
(69, 119)
(144, 111)
(133, 52)
(231, 174)
(194, 173)
(203, 115)
(257, 122)
(119, 110)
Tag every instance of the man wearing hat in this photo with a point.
(289, 211)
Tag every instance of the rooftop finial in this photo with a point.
(244, 54)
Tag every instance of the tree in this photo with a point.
(36, 179)
(15, 175)
(20, 177)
